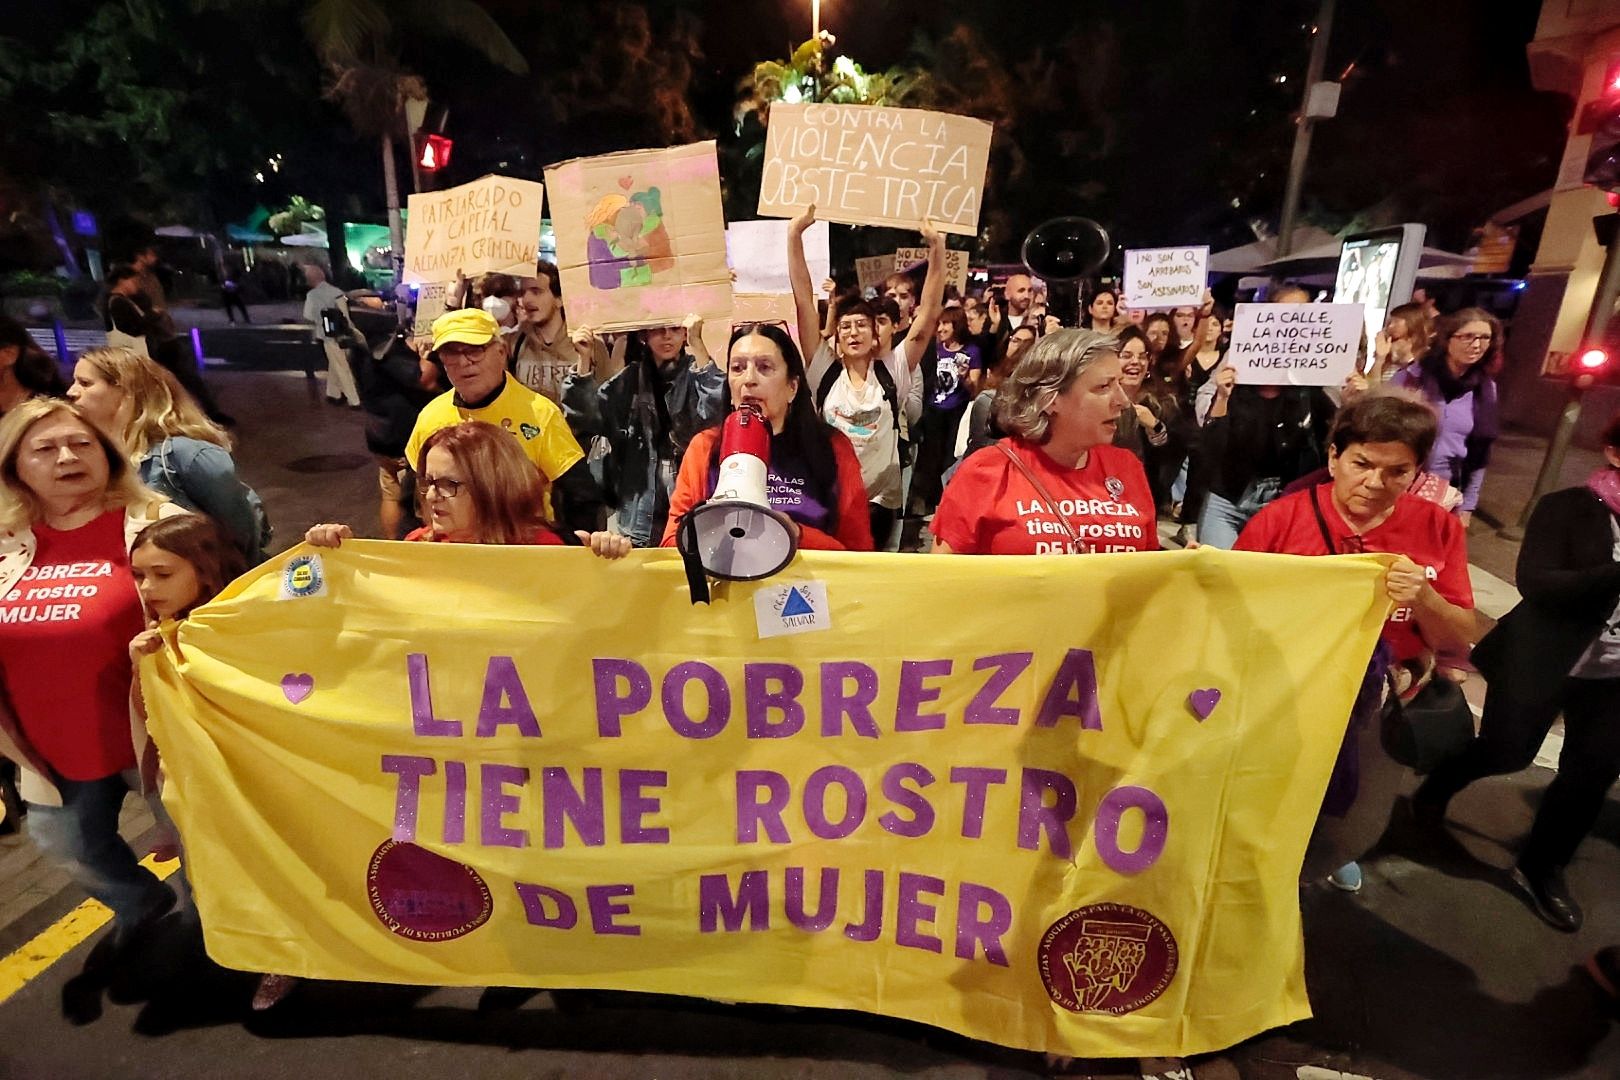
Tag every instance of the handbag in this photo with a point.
(1434, 722)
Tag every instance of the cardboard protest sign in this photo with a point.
(1295, 344)
(491, 225)
(641, 238)
(1166, 277)
(1036, 827)
(429, 306)
(873, 165)
(757, 251)
(775, 308)
(956, 264)
(873, 270)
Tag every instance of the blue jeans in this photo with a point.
(1221, 521)
(82, 836)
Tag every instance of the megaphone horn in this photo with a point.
(736, 534)
(1066, 249)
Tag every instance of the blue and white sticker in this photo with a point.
(795, 607)
(303, 576)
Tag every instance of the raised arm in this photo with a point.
(932, 302)
(804, 291)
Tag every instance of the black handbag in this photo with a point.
(1436, 724)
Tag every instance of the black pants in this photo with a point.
(882, 524)
(936, 436)
(232, 302)
(1509, 735)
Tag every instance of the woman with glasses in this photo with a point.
(1376, 449)
(478, 487)
(1456, 378)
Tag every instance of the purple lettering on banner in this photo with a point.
(922, 812)
(1035, 815)
(815, 801)
(492, 780)
(455, 802)
(978, 781)
(719, 695)
(583, 808)
(751, 813)
(422, 718)
(911, 911)
(635, 805)
(986, 932)
(1155, 829)
(611, 706)
(718, 908)
(1073, 692)
(505, 701)
(759, 699)
(857, 704)
(914, 694)
(1006, 667)
(534, 906)
(826, 904)
(870, 927)
(410, 770)
(602, 900)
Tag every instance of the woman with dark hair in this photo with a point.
(1456, 377)
(26, 370)
(979, 428)
(814, 475)
(1102, 313)
(1557, 652)
(1158, 329)
(1142, 426)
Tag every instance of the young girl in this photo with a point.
(179, 564)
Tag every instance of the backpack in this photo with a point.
(891, 394)
(263, 531)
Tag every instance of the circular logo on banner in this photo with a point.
(302, 576)
(1109, 958)
(425, 897)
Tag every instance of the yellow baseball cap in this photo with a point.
(467, 326)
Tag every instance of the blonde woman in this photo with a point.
(70, 507)
(180, 453)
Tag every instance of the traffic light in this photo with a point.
(1603, 118)
(1590, 366)
(434, 152)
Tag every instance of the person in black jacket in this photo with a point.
(1557, 651)
(394, 381)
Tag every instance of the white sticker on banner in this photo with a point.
(796, 607)
(303, 576)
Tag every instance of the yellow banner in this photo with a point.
(1058, 804)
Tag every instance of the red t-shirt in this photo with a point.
(1418, 529)
(990, 507)
(542, 535)
(64, 648)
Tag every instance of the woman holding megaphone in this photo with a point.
(813, 477)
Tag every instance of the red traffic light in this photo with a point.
(1592, 359)
(435, 153)
(1589, 367)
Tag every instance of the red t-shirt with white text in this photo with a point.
(991, 508)
(1417, 528)
(65, 628)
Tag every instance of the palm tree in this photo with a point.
(359, 42)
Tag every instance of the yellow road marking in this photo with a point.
(62, 937)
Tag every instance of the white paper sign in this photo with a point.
(1166, 277)
(794, 607)
(429, 306)
(1295, 344)
(757, 251)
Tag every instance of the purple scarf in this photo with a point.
(1605, 484)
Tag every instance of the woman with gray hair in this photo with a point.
(1056, 484)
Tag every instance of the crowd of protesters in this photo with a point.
(908, 415)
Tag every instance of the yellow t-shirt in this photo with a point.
(534, 421)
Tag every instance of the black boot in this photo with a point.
(1550, 896)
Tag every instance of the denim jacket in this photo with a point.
(644, 443)
(201, 477)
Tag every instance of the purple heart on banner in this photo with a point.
(1203, 702)
(297, 687)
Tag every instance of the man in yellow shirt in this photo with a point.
(467, 344)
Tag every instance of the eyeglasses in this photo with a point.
(1472, 339)
(460, 351)
(443, 487)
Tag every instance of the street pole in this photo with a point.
(1302, 131)
(1597, 327)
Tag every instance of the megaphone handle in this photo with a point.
(697, 581)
